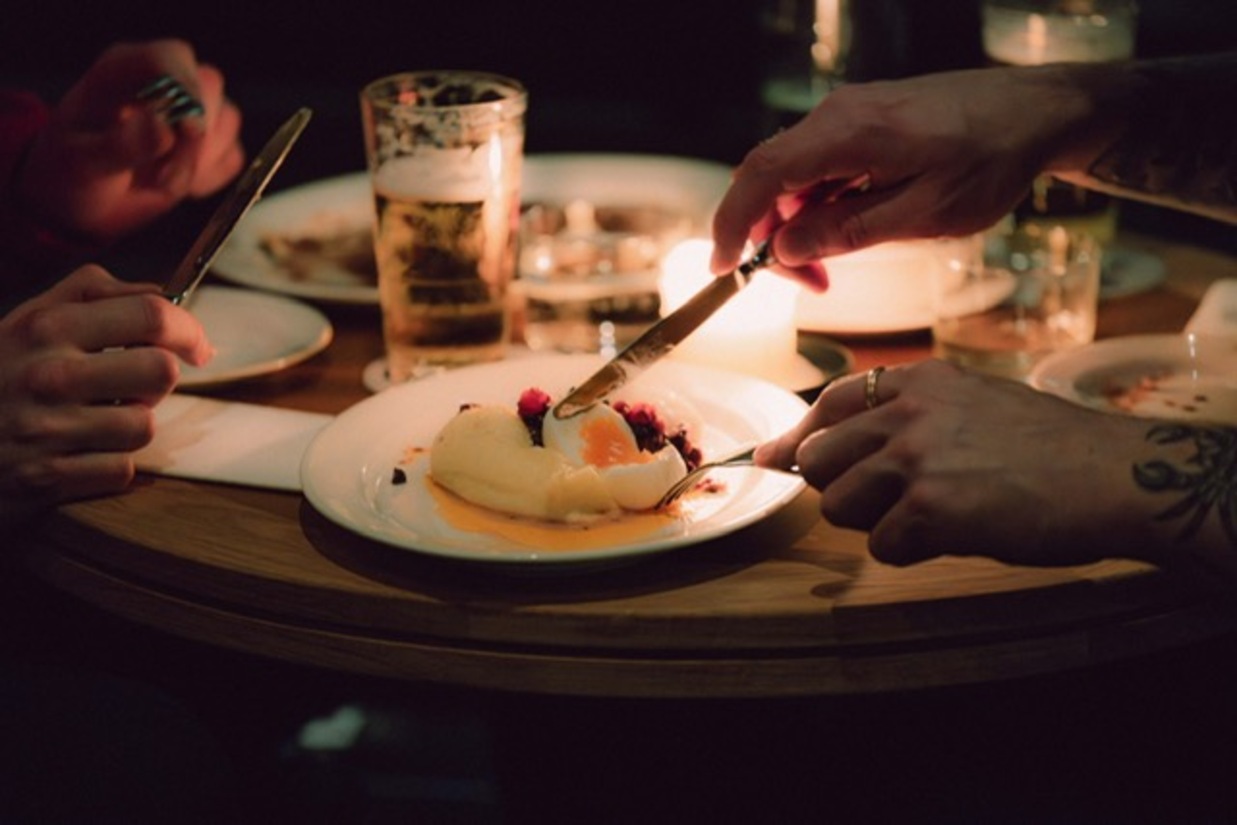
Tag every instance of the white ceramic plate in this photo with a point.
(253, 334)
(1186, 377)
(344, 204)
(347, 472)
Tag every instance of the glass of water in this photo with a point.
(1036, 292)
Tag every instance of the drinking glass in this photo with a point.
(1036, 292)
(444, 150)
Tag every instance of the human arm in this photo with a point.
(104, 162)
(81, 368)
(951, 462)
(949, 154)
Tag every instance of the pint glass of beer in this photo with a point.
(444, 150)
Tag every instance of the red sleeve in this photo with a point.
(27, 243)
(22, 115)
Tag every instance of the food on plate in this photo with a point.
(525, 462)
(1172, 394)
(1128, 396)
(306, 253)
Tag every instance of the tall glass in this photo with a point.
(445, 150)
(1035, 292)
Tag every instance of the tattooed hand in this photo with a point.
(951, 153)
(951, 462)
(1205, 483)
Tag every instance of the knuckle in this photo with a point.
(853, 229)
(832, 508)
(92, 275)
(162, 370)
(31, 426)
(154, 314)
(52, 379)
(140, 428)
(761, 160)
(920, 501)
(39, 478)
(44, 326)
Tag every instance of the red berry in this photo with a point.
(533, 403)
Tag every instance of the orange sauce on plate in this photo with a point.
(543, 535)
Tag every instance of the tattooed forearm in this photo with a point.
(1181, 138)
(1206, 480)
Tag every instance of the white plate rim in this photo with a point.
(345, 492)
(309, 332)
(696, 185)
(1060, 373)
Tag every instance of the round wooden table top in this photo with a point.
(788, 606)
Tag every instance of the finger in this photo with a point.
(143, 375)
(221, 155)
(904, 536)
(862, 493)
(86, 283)
(177, 170)
(130, 320)
(855, 221)
(120, 74)
(71, 477)
(826, 455)
(67, 428)
(804, 158)
(831, 407)
(863, 391)
(812, 274)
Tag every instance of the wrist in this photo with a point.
(1092, 104)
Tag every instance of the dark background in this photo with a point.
(635, 75)
(659, 76)
(1145, 742)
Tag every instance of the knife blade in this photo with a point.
(662, 337)
(244, 194)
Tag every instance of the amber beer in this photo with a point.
(443, 265)
(445, 152)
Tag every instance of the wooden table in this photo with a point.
(788, 607)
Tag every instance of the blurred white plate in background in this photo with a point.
(340, 209)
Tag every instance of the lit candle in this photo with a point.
(827, 51)
(753, 333)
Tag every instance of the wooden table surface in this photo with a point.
(789, 606)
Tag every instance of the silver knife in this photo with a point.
(663, 336)
(244, 194)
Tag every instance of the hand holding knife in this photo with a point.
(667, 333)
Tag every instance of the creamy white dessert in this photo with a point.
(590, 466)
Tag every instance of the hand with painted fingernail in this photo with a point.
(144, 128)
(81, 368)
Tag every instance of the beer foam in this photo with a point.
(459, 175)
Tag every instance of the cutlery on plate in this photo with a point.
(744, 457)
(244, 194)
(662, 337)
